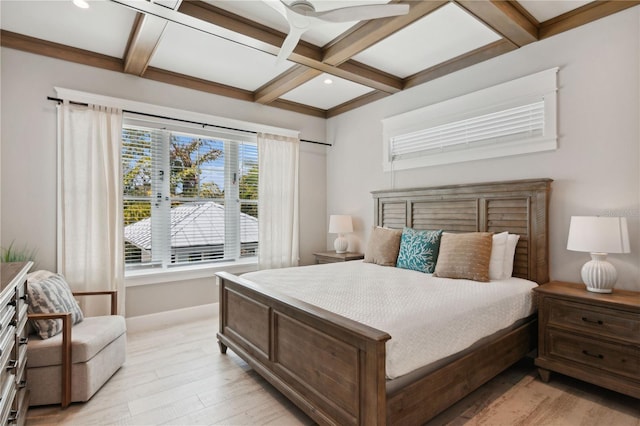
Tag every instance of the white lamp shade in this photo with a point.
(599, 236)
(340, 224)
(595, 234)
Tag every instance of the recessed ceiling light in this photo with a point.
(82, 4)
(328, 81)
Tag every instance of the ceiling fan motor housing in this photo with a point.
(302, 6)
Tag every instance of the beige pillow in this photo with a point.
(465, 256)
(383, 246)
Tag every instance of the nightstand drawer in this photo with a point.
(623, 360)
(593, 320)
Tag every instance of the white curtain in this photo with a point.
(278, 201)
(90, 224)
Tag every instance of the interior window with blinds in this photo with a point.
(516, 117)
(190, 194)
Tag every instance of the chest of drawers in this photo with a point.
(592, 337)
(14, 395)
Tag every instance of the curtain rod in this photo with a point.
(49, 98)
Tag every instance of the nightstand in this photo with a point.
(332, 257)
(590, 336)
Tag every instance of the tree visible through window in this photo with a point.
(188, 197)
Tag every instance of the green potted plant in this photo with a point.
(12, 254)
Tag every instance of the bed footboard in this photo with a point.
(331, 367)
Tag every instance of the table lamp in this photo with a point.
(598, 236)
(340, 224)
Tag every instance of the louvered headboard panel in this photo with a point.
(520, 207)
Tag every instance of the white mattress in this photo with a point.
(428, 318)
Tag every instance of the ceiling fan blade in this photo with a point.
(290, 43)
(360, 13)
(278, 6)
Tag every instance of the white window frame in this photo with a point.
(541, 86)
(161, 208)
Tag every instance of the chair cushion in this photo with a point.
(87, 339)
(49, 293)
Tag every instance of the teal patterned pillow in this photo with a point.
(419, 250)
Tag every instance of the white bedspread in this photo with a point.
(428, 318)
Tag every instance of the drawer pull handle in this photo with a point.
(24, 340)
(585, 319)
(587, 353)
(11, 364)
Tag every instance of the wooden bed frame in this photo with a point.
(333, 368)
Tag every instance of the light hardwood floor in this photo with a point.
(177, 376)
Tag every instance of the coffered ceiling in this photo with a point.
(229, 47)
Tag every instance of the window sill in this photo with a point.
(136, 278)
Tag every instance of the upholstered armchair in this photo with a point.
(73, 365)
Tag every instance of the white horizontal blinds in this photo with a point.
(248, 196)
(192, 212)
(142, 171)
(508, 125)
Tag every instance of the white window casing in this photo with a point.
(512, 118)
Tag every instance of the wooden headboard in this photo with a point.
(520, 207)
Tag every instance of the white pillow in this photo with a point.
(496, 264)
(509, 253)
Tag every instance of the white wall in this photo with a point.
(28, 160)
(595, 169)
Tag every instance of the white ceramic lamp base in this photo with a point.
(341, 244)
(598, 274)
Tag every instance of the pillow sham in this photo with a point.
(383, 246)
(496, 264)
(509, 254)
(465, 256)
(49, 295)
(419, 250)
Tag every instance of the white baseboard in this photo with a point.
(169, 318)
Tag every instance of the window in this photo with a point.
(511, 124)
(190, 194)
(512, 118)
